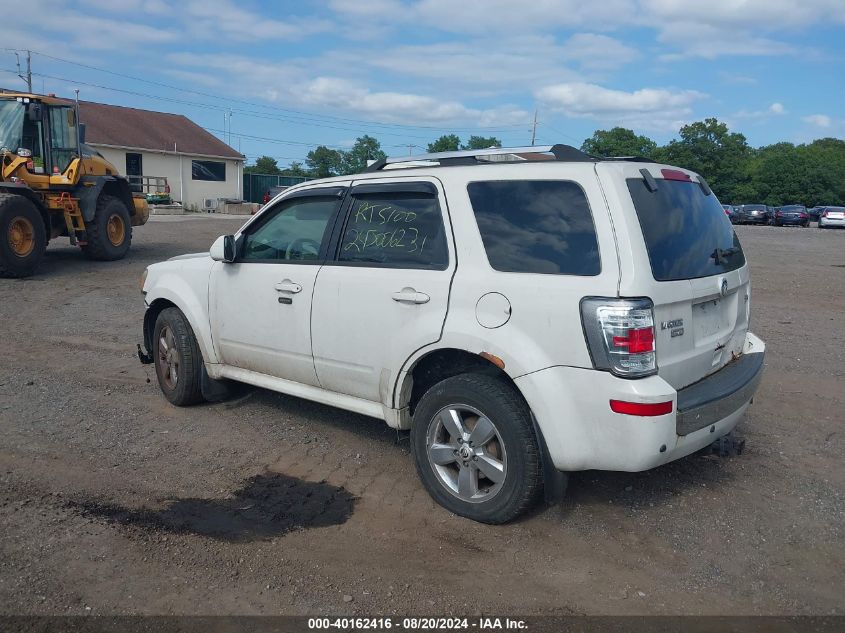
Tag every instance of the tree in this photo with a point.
(618, 141)
(710, 149)
(263, 165)
(446, 143)
(323, 162)
(482, 142)
(295, 169)
(365, 148)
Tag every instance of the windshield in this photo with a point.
(686, 232)
(11, 124)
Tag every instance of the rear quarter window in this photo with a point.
(536, 226)
(686, 233)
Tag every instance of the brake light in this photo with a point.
(675, 174)
(645, 409)
(824, 214)
(620, 335)
(636, 341)
(804, 215)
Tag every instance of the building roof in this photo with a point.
(144, 129)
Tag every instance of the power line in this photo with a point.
(224, 109)
(270, 106)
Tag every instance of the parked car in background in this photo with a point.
(815, 212)
(730, 211)
(752, 214)
(832, 217)
(792, 215)
(271, 193)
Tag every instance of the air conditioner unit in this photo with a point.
(210, 204)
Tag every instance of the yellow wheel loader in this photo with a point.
(52, 184)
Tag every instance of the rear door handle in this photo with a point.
(409, 295)
(288, 286)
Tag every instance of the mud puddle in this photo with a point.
(267, 506)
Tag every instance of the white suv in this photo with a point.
(524, 312)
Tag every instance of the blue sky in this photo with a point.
(300, 74)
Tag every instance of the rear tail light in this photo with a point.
(641, 408)
(824, 214)
(620, 335)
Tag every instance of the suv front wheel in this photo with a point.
(475, 448)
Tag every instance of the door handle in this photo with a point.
(288, 286)
(409, 295)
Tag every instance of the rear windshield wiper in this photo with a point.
(721, 254)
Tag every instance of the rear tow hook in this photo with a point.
(144, 357)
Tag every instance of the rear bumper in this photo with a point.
(572, 409)
(792, 221)
(831, 222)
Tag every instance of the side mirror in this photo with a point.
(223, 249)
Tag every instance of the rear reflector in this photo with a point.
(675, 174)
(641, 408)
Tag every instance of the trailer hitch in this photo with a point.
(729, 445)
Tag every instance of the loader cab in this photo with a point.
(43, 133)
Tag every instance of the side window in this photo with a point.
(536, 226)
(396, 229)
(62, 137)
(296, 232)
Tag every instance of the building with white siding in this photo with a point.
(144, 145)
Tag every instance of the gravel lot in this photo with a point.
(114, 502)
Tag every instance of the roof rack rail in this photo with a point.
(470, 157)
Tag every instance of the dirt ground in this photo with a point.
(114, 502)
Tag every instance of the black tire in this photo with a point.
(105, 244)
(23, 237)
(172, 326)
(498, 401)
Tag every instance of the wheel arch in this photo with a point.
(441, 363)
(91, 188)
(178, 295)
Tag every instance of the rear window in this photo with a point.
(536, 226)
(687, 233)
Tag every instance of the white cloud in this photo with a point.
(224, 18)
(491, 16)
(820, 120)
(776, 109)
(651, 108)
(399, 107)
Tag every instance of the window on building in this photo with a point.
(213, 170)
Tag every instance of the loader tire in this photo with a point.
(23, 237)
(109, 234)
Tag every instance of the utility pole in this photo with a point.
(28, 77)
(534, 128)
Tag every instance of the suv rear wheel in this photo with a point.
(475, 448)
